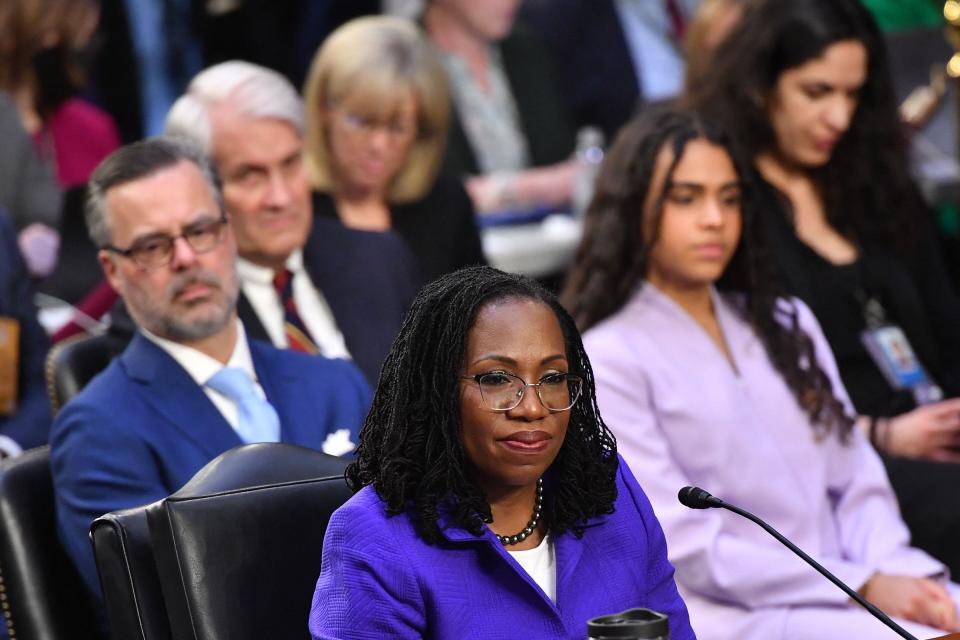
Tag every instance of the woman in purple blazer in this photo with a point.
(708, 377)
(490, 502)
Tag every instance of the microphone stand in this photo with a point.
(705, 501)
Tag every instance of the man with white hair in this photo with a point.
(307, 283)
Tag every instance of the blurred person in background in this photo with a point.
(148, 51)
(377, 111)
(24, 409)
(511, 138)
(709, 27)
(700, 361)
(152, 48)
(44, 54)
(28, 192)
(307, 282)
(613, 56)
(805, 87)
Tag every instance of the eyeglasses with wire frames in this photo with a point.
(156, 250)
(363, 125)
(502, 391)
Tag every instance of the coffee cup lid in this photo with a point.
(632, 623)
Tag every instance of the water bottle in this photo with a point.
(632, 624)
(589, 155)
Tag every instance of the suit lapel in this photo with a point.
(251, 321)
(281, 388)
(328, 248)
(174, 395)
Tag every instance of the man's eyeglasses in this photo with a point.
(502, 391)
(154, 251)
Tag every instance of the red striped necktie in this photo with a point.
(678, 22)
(298, 338)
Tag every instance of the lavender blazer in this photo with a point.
(684, 416)
(378, 579)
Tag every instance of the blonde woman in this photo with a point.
(377, 117)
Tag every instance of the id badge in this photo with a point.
(9, 364)
(891, 352)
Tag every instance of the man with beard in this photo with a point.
(190, 385)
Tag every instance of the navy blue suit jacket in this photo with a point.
(368, 279)
(142, 428)
(30, 424)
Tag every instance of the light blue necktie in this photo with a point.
(257, 420)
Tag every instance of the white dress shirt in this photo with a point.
(256, 283)
(202, 367)
(657, 59)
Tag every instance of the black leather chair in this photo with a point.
(73, 363)
(128, 576)
(238, 548)
(42, 595)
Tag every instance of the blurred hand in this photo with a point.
(487, 192)
(919, 600)
(542, 186)
(931, 432)
(39, 245)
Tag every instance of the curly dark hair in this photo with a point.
(411, 449)
(612, 259)
(868, 193)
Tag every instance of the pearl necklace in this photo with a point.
(532, 525)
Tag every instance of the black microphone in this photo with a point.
(697, 498)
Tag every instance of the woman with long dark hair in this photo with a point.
(805, 87)
(708, 377)
(490, 499)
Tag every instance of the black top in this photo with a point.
(439, 228)
(913, 288)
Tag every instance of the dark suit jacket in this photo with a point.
(597, 77)
(30, 425)
(439, 232)
(142, 428)
(368, 279)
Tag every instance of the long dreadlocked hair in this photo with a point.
(411, 449)
(612, 259)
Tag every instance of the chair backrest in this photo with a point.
(128, 576)
(73, 363)
(238, 548)
(43, 597)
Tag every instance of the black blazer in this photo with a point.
(597, 77)
(368, 279)
(439, 229)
